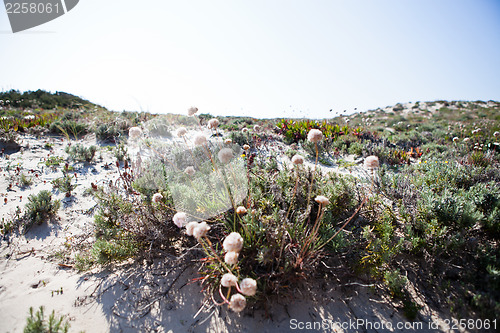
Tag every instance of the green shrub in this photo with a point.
(36, 323)
(81, 153)
(69, 128)
(40, 207)
(106, 133)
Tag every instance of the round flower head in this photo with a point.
(237, 302)
(192, 110)
(157, 197)
(213, 123)
(297, 159)
(246, 147)
(371, 162)
(256, 128)
(231, 258)
(315, 135)
(225, 155)
(241, 210)
(248, 287)
(200, 140)
(322, 200)
(134, 132)
(190, 170)
(180, 219)
(466, 139)
(455, 139)
(228, 141)
(190, 227)
(181, 131)
(496, 134)
(201, 230)
(233, 242)
(228, 280)
(244, 130)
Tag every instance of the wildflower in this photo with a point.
(181, 132)
(201, 230)
(190, 170)
(446, 162)
(241, 210)
(225, 155)
(231, 258)
(228, 141)
(157, 197)
(248, 287)
(496, 134)
(466, 139)
(371, 162)
(213, 123)
(256, 128)
(315, 135)
(180, 219)
(297, 159)
(244, 130)
(192, 110)
(455, 139)
(190, 227)
(246, 147)
(228, 280)
(237, 302)
(322, 200)
(134, 132)
(233, 242)
(200, 140)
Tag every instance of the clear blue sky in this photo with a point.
(262, 58)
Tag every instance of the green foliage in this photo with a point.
(40, 207)
(81, 153)
(37, 323)
(106, 133)
(297, 130)
(69, 128)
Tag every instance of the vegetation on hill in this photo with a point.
(420, 219)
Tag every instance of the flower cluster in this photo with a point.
(233, 244)
(195, 229)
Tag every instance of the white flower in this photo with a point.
(244, 130)
(246, 147)
(322, 200)
(231, 258)
(256, 128)
(237, 302)
(496, 134)
(228, 280)
(190, 227)
(315, 135)
(190, 170)
(181, 131)
(192, 110)
(248, 287)
(371, 162)
(228, 141)
(297, 159)
(225, 155)
(180, 219)
(201, 230)
(213, 123)
(134, 133)
(157, 197)
(241, 210)
(455, 139)
(466, 139)
(233, 242)
(200, 140)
